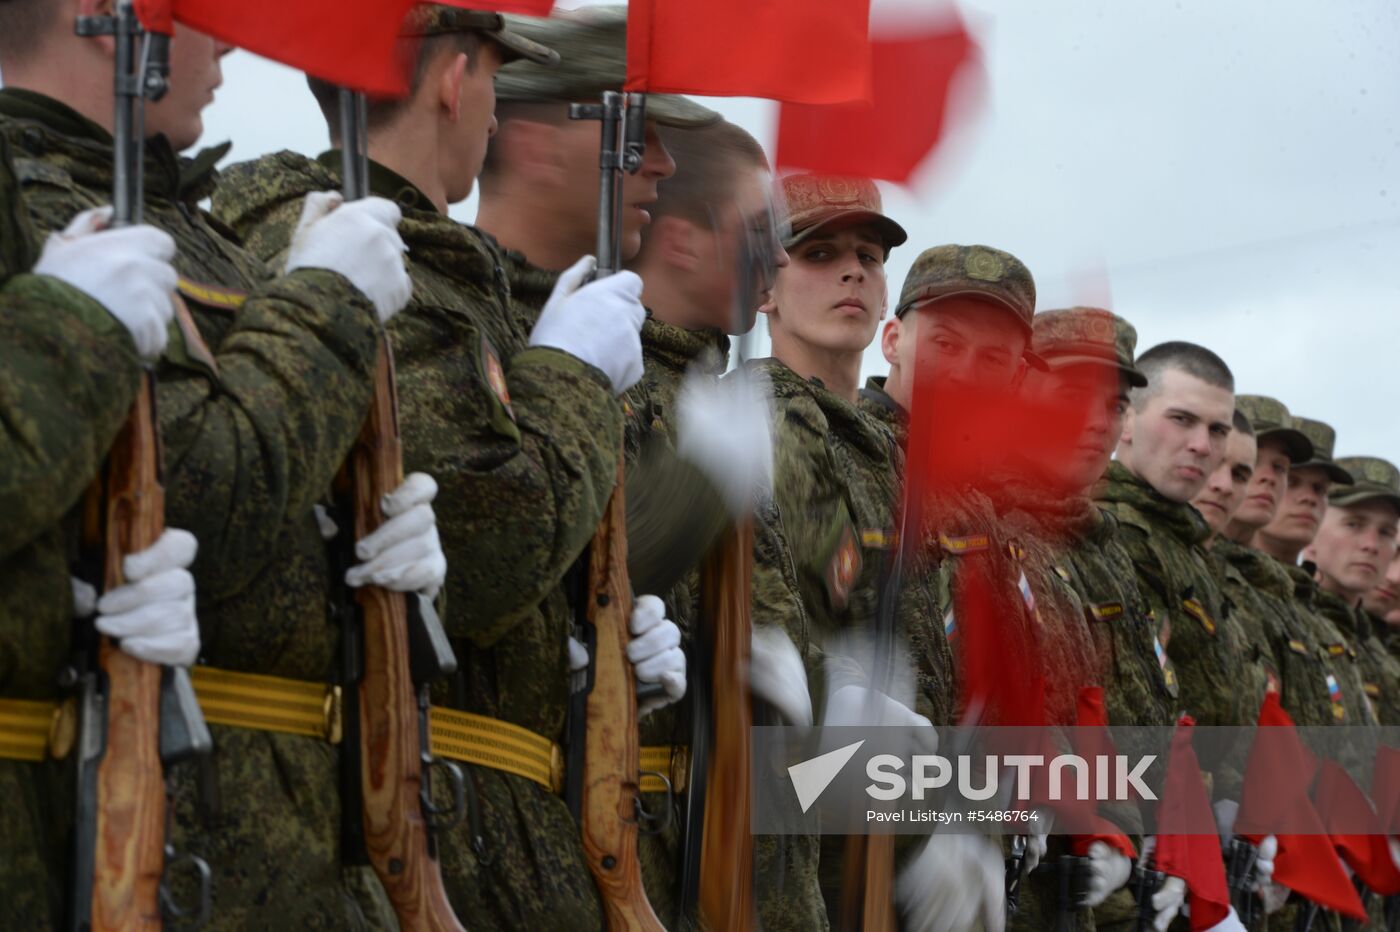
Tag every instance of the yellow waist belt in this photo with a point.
(31, 731)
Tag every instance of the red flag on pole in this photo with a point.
(795, 50)
(350, 42)
(890, 135)
(1356, 830)
(1091, 741)
(1182, 850)
(1276, 781)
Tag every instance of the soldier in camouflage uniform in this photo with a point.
(1354, 547)
(520, 423)
(249, 449)
(1083, 393)
(1383, 604)
(75, 330)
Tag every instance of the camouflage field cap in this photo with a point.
(978, 271)
(434, 20)
(592, 47)
(813, 201)
(1324, 441)
(1270, 418)
(1086, 335)
(1375, 479)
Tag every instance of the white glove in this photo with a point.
(1274, 896)
(861, 705)
(578, 655)
(153, 612)
(1230, 923)
(1038, 841)
(403, 554)
(1225, 811)
(724, 428)
(1167, 902)
(126, 270)
(952, 883)
(600, 322)
(776, 674)
(1264, 862)
(655, 652)
(1108, 870)
(361, 241)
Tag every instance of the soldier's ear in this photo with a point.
(1129, 418)
(97, 8)
(889, 340)
(450, 83)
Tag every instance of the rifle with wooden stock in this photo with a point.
(393, 648)
(136, 719)
(604, 745)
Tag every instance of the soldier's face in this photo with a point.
(1177, 438)
(1302, 508)
(1266, 486)
(1228, 485)
(1384, 600)
(575, 185)
(1076, 416)
(1355, 547)
(714, 271)
(832, 293)
(965, 343)
(195, 74)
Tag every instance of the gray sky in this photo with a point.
(1225, 173)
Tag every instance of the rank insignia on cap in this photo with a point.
(1106, 611)
(1334, 692)
(1297, 646)
(968, 544)
(495, 375)
(1198, 611)
(843, 569)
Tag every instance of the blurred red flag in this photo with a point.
(1356, 831)
(1385, 789)
(892, 133)
(1276, 782)
(1184, 808)
(350, 42)
(797, 50)
(523, 7)
(1091, 741)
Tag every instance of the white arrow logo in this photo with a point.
(811, 777)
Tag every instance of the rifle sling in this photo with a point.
(34, 730)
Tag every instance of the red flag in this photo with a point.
(350, 42)
(1091, 741)
(814, 53)
(1276, 781)
(1181, 850)
(891, 134)
(1385, 789)
(1355, 829)
(522, 7)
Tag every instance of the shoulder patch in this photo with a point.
(1196, 610)
(878, 538)
(1106, 611)
(843, 568)
(28, 171)
(495, 374)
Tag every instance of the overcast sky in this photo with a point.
(1225, 173)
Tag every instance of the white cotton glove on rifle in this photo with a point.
(126, 270)
(1167, 902)
(655, 652)
(599, 322)
(152, 614)
(776, 674)
(404, 553)
(1109, 870)
(954, 883)
(1264, 862)
(723, 427)
(359, 240)
(1038, 839)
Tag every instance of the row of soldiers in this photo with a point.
(1170, 576)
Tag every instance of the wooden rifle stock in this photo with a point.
(726, 853)
(611, 779)
(868, 904)
(129, 846)
(395, 832)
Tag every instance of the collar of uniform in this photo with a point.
(678, 348)
(1345, 617)
(528, 282)
(385, 183)
(844, 418)
(1182, 520)
(162, 168)
(1064, 516)
(874, 393)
